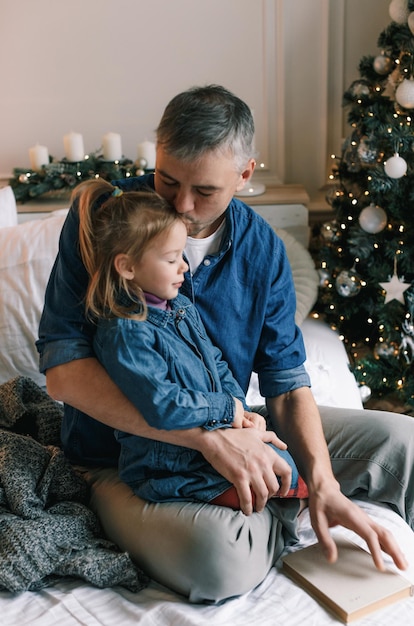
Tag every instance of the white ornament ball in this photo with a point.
(399, 11)
(373, 219)
(411, 22)
(395, 167)
(365, 393)
(404, 93)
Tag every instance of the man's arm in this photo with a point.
(297, 421)
(240, 455)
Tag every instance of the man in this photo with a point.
(241, 283)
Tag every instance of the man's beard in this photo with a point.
(194, 228)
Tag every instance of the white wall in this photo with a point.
(95, 66)
(98, 65)
(324, 42)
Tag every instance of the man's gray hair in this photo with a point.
(204, 119)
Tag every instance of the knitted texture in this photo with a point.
(47, 530)
(26, 408)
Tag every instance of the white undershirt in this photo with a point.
(197, 249)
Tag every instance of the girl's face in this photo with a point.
(161, 268)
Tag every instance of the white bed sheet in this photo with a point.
(276, 602)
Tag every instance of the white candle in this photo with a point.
(73, 144)
(39, 156)
(112, 147)
(146, 150)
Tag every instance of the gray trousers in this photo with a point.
(209, 553)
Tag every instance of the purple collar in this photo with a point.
(156, 302)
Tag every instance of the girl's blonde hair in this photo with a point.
(112, 222)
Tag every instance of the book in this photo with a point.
(351, 587)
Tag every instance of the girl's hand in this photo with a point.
(254, 420)
(238, 414)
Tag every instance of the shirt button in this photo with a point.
(207, 262)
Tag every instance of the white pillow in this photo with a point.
(8, 208)
(27, 253)
(305, 276)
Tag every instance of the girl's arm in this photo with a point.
(239, 455)
(135, 360)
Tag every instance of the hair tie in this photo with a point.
(117, 192)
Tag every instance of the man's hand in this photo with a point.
(328, 507)
(296, 416)
(244, 458)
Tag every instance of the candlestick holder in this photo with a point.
(251, 189)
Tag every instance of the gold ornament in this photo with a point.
(383, 64)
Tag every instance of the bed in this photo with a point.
(27, 252)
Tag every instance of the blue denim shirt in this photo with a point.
(244, 294)
(169, 369)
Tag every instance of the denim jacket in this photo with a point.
(244, 294)
(169, 369)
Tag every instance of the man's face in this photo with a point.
(201, 190)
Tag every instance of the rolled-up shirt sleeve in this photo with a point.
(276, 383)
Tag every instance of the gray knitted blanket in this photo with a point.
(47, 530)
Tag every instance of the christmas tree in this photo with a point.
(366, 253)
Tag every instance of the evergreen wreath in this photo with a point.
(60, 176)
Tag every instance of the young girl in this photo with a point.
(151, 341)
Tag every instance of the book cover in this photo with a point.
(350, 588)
